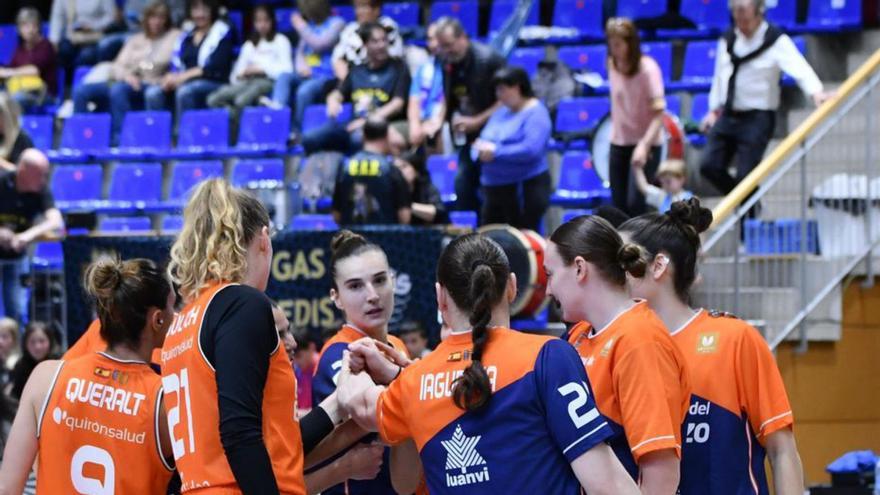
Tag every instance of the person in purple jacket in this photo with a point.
(511, 148)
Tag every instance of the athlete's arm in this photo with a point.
(406, 467)
(600, 473)
(165, 448)
(362, 462)
(21, 448)
(788, 472)
(659, 471)
(319, 422)
(341, 438)
(358, 395)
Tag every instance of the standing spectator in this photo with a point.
(13, 140)
(351, 49)
(745, 93)
(427, 205)
(369, 188)
(427, 103)
(203, 59)
(511, 150)
(376, 89)
(414, 336)
(37, 345)
(637, 106)
(470, 100)
(263, 58)
(24, 195)
(9, 350)
(137, 71)
(318, 33)
(75, 28)
(31, 75)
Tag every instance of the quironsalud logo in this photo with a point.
(461, 454)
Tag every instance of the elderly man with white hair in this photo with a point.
(24, 197)
(745, 92)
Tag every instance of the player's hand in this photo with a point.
(351, 386)
(708, 121)
(363, 462)
(379, 362)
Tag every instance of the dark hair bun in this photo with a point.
(346, 239)
(631, 260)
(690, 212)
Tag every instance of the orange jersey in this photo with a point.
(738, 399)
(91, 342)
(641, 382)
(101, 418)
(194, 418)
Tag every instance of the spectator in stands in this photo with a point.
(413, 334)
(376, 89)
(470, 100)
(32, 74)
(305, 359)
(13, 140)
(265, 56)
(745, 93)
(511, 151)
(130, 19)
(75, 28)
(137, 71)
(24, 195)
(369, 188)
(37, 345)
(352, 50)
(427, 206)
(9, 350)
(203, 60)
(637, 106)
(427, 103)
(672, 175)
(318, 33)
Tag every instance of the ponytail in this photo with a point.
(472, 390)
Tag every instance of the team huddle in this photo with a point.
(644, 394)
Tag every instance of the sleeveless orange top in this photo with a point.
(194, 417)
(99, 420)
(91, 341)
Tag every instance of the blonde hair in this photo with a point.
(10, 326)
(219, 222)
(10, 114)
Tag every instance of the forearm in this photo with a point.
(659, 472)
(25, 70)
(329, 475)
(425, 212)
(52, 223)
(653, 131)
(252, 467)
(392, 107)
(641, 180)
(341, 438)
(406, 467)
(319, 42)
(788, 472)
(414, 111)
(6, 165)
(190, 74)
(340, 68)
(363, 410)
(483, 117)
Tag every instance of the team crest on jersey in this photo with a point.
(707, 342)
(115, 375)
(459, 356)
(468, 466)
(606, 349)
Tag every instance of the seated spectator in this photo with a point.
(13, 140)
(511, 150)
(136, 73)
(672, 175)
(265, 56)
(352, 50)
(426, 111)
(24, 196)
(131, 22)
(75, 28)
(427, 206)
(369, 188)
(318, 33)
(37, 345)
(31, 75)
(376, 89)
(9, 351)
(413, 334)
(203, 60)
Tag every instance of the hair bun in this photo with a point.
(689, 212)
(631, 260)
(344, 238)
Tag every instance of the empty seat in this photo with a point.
(830, 15)
(661, 51)
(282, 20)
(313, 221)
(346, 12)
(316, 116)
(466, 11)
(783, 13)
(136, 183)
(48, 256)
(264, 130)
(77, 186)
(568, 215)
(699, 65)
(464, 218)
(142, 131)
(266, 172)
(503, 9)
(579, 184)
(583, 15)
(641, 9)
(588, 58)
(8, 42)
(673, 105)
(41, 129)
(405, 14)
(185, 175)
(527, 58)
(172, 223)
(84, 135)
(580, 115)
(126, 224)
(709, 16)
(442, 170)
(236, 20)
(203, 132)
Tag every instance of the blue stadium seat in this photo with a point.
(203, 133)
(282, 20)
(503, 9)
(583, 15)
(77, 186)
(698, 67)
(569, 215)
(126, 224)
(832, 15)
(801, 43)
(313, 221)
(316, 116)
(266, 171)
(406, 14)
(673, 104)
(236, 19)
(464, 218)
(48, 256)
(8, 42)
(588, 58)
(661, 51)
(527, 58)
(579, 184)
(710, 16)
(185, 175)
(172, 223)
(783, 13)
(466, 11)
(442, 170)
(41, 129)
(145, 133)
(579, 116)
(641, 9)
(699, 108)
(346, 12)
(263, 131)
(84, 134)
(134, 186)
(79, 73)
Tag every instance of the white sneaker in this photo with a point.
(66, 110)
(269, 102)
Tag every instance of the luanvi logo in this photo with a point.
(461, 454)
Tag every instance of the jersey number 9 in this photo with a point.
(576, 411)
(179, 386)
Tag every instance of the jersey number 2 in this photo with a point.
(582, 396)
(89, 454)
(179, 386)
